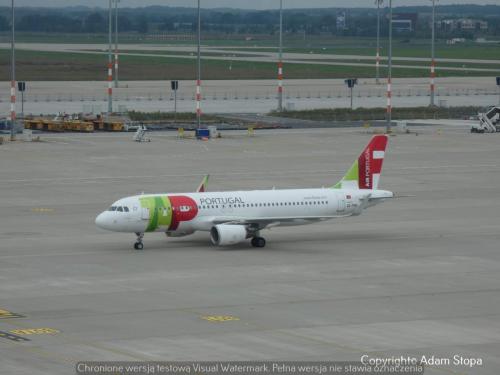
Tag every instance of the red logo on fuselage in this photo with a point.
(183, 209)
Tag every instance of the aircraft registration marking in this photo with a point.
(220, 318)
(4, 314)
(35, 331)
(12, 337)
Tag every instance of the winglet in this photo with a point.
(204, 184)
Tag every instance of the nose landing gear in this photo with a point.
(139, 245)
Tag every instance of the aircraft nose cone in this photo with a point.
(100, 221)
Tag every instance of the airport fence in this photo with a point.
(222, 95)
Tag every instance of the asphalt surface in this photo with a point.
(416, 275)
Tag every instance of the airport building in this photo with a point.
(463, 24)
(405, 22)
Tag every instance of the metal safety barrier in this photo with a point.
(245, 96)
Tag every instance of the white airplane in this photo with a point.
(235, 216)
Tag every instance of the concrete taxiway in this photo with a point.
(417, 275)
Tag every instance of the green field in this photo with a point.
(461, 51)
(493, 67)
(466, 51)
(62, 66)
(363, 114)
(401, 48)
(92, 66)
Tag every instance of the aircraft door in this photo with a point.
(341, 205)
(145, 213)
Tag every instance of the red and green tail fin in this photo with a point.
(366, 170)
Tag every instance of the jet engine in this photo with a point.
(225, 234)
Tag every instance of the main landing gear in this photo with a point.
(258, 242)
(139, 245)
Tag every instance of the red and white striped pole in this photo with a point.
(433, 54)
(280, 85)
(13, 80)
(110, 88)
(12, 108)
(116, 68)
(280, 62)
(433, 81)
(198, 78)
(198, 99)
(377, 65)
(116, 43)
(389, 98)
(110, 60)
(389, 75)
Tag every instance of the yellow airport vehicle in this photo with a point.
(79, 126)
(114, 126)
(84, 125)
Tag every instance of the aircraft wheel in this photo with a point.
(258, 242)
(138, 246)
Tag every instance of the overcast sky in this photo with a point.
(246, 4)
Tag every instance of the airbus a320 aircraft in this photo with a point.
(235, 216)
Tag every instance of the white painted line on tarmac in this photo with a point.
(228, 174)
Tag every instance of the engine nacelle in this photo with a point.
(225, 235)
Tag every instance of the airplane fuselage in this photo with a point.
(182, 214)
(234, 216)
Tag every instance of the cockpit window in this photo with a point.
(119, 209)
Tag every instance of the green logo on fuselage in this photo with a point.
(160, 212)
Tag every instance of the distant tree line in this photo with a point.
(359, 22)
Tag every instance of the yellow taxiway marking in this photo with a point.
(220, 318)
(4, 314)
(34, 331)
(42, 210)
